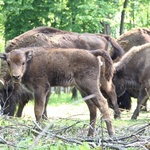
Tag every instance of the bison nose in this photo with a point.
(16, 77)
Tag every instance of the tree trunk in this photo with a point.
(106, 28)
(123, 16)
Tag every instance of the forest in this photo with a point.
(67, 126)
(112, 17)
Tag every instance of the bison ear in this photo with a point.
(3, 56)
(124, 43)
(29, 55)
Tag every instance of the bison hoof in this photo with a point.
(116, 116)
(44, 117)
(133, 117)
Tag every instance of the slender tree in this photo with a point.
(123, 16)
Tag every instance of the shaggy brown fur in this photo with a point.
(40, 68)
(51, 37)
(55, 38)
(136, 59)
(134, 37)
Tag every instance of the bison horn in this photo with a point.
(1, 84)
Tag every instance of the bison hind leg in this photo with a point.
(142, 98)
(44, 115)
(109, 89)
(93, 114)
(91, 87)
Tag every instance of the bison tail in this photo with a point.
(118, 50)
(109, 69)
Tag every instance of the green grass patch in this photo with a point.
(57, 99)
(62, 98)
(69, 133)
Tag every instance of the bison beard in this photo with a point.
(80, 68)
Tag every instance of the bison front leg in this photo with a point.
(20, 110)
(40, 95)
(142, 98)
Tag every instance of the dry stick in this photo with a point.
(142, 129)
(104, 142)
(57, 136)
(85, 98)
(135, 143)
(9, 143)
(147, 93)
(53, 135)
(3, 141)
(60, 137)
(66, 128)
(43, 131)
(126, 137)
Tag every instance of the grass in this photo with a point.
(57, 99)
(67, 131)
(62, 98)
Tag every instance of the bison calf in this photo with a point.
(40, 68)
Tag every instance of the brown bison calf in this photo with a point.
(40, 68)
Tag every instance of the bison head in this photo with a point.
(17, 61)
(119, 82)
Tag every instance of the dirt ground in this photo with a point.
(75, 110)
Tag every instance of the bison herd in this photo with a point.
(111, 71)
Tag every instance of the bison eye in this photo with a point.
(23, 63)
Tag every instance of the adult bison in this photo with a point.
(38, 68)
(131, 73)
(55, 38)
(51, 37)
(134, 37)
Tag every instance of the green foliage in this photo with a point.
(2, 41)
(78, 16)
(23, 15)
(135, 16)
(18, 16)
